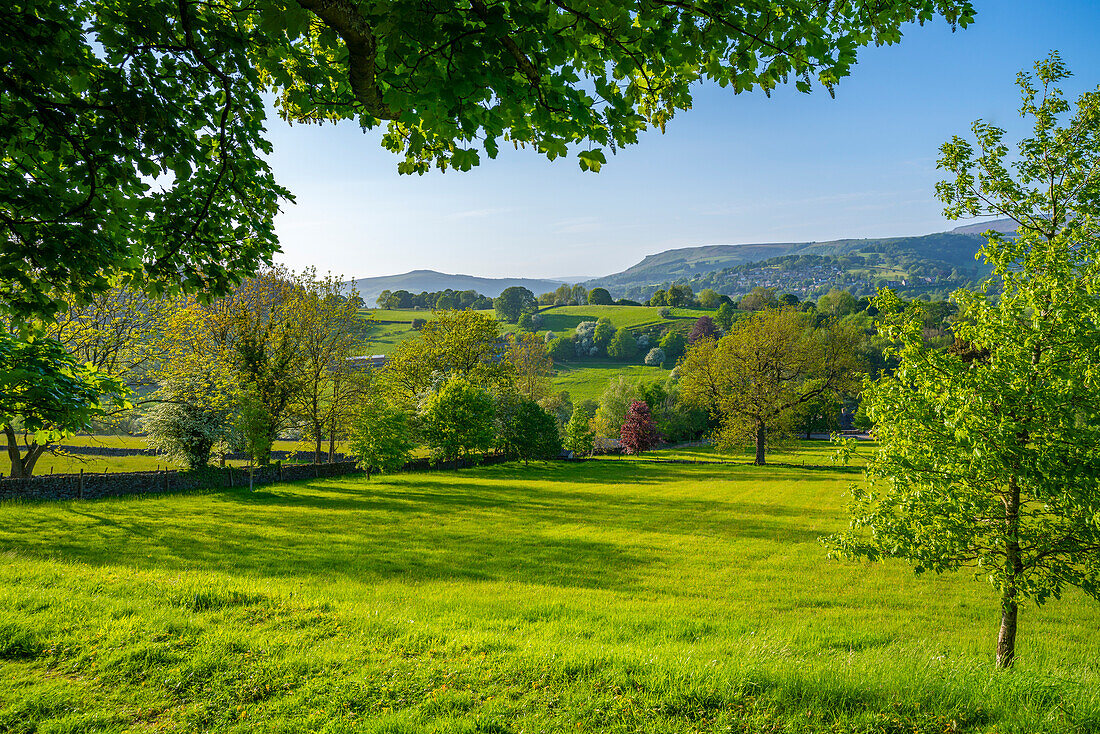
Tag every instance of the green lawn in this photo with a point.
(607, 596)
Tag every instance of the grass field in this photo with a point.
(608, 596)
(587, 379)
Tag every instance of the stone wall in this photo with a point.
(115, 484)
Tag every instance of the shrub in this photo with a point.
(183, 433)
(561, 348)
(418, 324)
(622, 346)
(665, 312)
(656, 357)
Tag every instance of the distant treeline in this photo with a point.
(444, 300)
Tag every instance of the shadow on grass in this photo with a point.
(543, 524)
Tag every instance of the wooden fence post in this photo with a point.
(80, 486)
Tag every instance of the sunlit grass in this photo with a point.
(599, 596)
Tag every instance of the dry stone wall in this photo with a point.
(115, 484)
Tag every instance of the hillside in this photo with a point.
(416, 281)
(938, 262)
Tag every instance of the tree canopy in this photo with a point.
(988, 452)
(133, 131)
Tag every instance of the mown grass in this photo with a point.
(608, 596)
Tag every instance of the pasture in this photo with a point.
(606, 596)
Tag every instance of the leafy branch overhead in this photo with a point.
(451, 80)
(133, 146)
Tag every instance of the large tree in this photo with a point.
(989, 452)
(755, 379)
(514, 302)
(132, 131)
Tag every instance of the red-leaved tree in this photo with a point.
(639, 432)
(704, 329)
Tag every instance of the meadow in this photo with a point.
(605, 596)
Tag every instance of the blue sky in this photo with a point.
(734, 169)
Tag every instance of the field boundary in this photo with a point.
(87, 486)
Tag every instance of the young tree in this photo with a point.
(578, 295)
(381, 436)
(327, 388)
(259, 328)
(709, 298)
(600, 297)
(989, 455)
(458, 420)
(603, 334)
(758, 299)
(622, 346)
(756, 378)
(680, 295)
(513, 303)
(579, 435)
(531, 365)
(674, 345)
(638, 432)
(724, 316)
(704, 328)
(614, 404)
(45, 394)
(837, 303)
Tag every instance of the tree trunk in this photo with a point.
(22, 464)
(13, 453)
(317, 447)
(761, 437)
(1006, 639)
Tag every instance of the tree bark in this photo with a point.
(1006, 638)
(760, 442)
(13, 453)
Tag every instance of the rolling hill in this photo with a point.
(942, 260)
(417, 281)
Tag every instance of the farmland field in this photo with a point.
(606, 596)
(587, 379)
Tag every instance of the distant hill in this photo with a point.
(939, 262)
(997, 225)
(431, 280)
